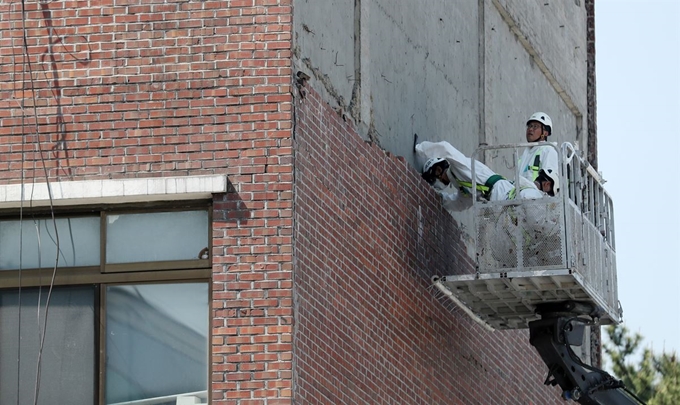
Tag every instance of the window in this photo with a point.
(179, 237)
(68, 373)
(156, 341)
(36, 240)
(128, 314)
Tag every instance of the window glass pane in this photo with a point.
(67, 370)
(151, 237)
(78, 243)
(156, 342)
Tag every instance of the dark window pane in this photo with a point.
(67, 370)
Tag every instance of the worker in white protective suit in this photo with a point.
(538, 164)
(449, 171)
(540, 157)
(521, 227)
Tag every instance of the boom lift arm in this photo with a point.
(561, 326)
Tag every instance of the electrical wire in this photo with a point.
(21, 215)
(21, 229)
(27, 63)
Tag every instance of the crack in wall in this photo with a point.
(325, 81)
(355, 109)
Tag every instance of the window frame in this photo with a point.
(112, 273)
(159, 272)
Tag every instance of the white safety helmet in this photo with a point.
(428, 167)
(430, 163)
(555, 177)
(543, 118)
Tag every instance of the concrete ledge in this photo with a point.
(116, 191)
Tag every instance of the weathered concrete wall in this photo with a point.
(467, 72)
(395, 68)
(426, 62)
(535, 55)
(324, 30)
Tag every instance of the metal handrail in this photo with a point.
(586, 191)
(535, 251)
(594, 202)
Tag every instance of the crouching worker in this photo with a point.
(450, 172)
(548, 181)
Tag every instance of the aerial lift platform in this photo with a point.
(548, 265)
(534, 252)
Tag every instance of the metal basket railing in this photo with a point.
(573, 230)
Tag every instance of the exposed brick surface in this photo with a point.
(144, 88)
(595, 332)
(370, 329)
(141, 88)
(592, 87)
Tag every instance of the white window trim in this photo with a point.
(111, 191)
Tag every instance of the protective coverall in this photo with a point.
(536, 158)
(507, 229)
(460, 170)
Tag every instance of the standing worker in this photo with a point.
(540, 163)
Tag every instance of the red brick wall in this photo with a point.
(590, 77)
(141, 88)
(370, 329)
(595, 332)
(132, 88)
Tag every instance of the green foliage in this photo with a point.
(655, 378)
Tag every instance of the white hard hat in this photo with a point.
(543, 118)
(428, 172)
(555, 177)
(431, 162)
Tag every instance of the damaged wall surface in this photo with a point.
(466, 72)
(369, 326)
(369, 231)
